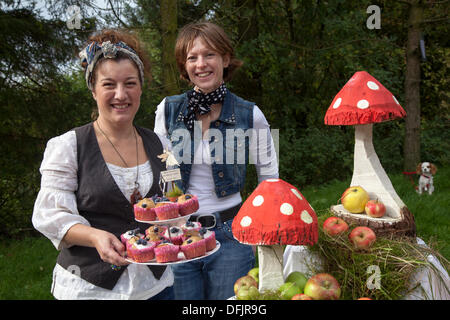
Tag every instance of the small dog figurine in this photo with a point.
(426, 171)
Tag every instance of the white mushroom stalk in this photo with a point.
(270, 260)
(369, 174)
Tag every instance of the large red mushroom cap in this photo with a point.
(276, 213)
(363, 100)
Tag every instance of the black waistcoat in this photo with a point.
(101, 202)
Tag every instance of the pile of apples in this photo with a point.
(297, 286)
(356, 200)
(361, 237)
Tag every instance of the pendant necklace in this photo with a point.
(136, 195)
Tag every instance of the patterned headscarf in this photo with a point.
(94, 51)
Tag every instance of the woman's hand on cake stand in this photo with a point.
(108, 246)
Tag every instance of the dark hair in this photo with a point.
(115, 36)
(214, 37)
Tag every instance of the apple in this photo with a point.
(247, 293)
(323, 286)
(298, 278)
(288, 290)
(301, 296)
(335, 226)
(254, 273)
(364, 298)
(354, 199)
(362, 237)
(243, 284)
(375, 208)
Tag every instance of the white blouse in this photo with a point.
(55, 212)
(201, 182)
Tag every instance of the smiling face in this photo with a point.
(204, 66)
(117, 90)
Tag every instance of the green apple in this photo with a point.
(354, 199)
(298, 278)
(288, 290)
(254, 273)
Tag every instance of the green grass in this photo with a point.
(431, 212)
(26, 265)
(26, 269)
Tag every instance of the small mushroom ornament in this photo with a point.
(275, 214)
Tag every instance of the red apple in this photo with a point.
(334, 226)
(323, 286)
(301, 296)
(354, 199)
(375, 208)
(243, 284)
(362, 237)
(364, 298)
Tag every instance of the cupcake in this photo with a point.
(155, 233)
(124, 237)
(166, 252)
(191, 227)
(187, 204)
(209, 237)
(140, 250)
(166, 210)
(174, 235)
(193, 247)
(144, 210)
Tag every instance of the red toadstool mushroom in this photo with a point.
(361, 102)
(275, 214)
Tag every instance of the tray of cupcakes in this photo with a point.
(161, 210)
(164, 245)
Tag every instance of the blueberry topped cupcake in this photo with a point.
(193, 247)
(144, 210)
(209, 237)
(166, 252)
(124, 237)
(174, 234)
(140, 250)
(155, 233)
(187, 204)
(165, 209)
(191, 227)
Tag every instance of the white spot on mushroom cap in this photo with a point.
(337, 103)
(246, 221)
(395, 100)
(272, 180)
(372, 85)
(362, 104)
(297, 194)
(258, 200)
(306, 217)
(286, 209)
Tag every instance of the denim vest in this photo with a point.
(229, 141)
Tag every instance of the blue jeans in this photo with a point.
(166, 294)
(213, 277)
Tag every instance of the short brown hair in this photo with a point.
(214, 37)
(115, 36)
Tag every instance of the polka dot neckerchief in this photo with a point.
(201, 103)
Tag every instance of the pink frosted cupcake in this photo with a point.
(166, 210)
(140, 250)
(209, 237)
(166, 252)
(124, 237)
(191, 228)
(187, 204)
(193, 247)
(174, 235)
(144, 210)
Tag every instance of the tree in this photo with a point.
(168, 10)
